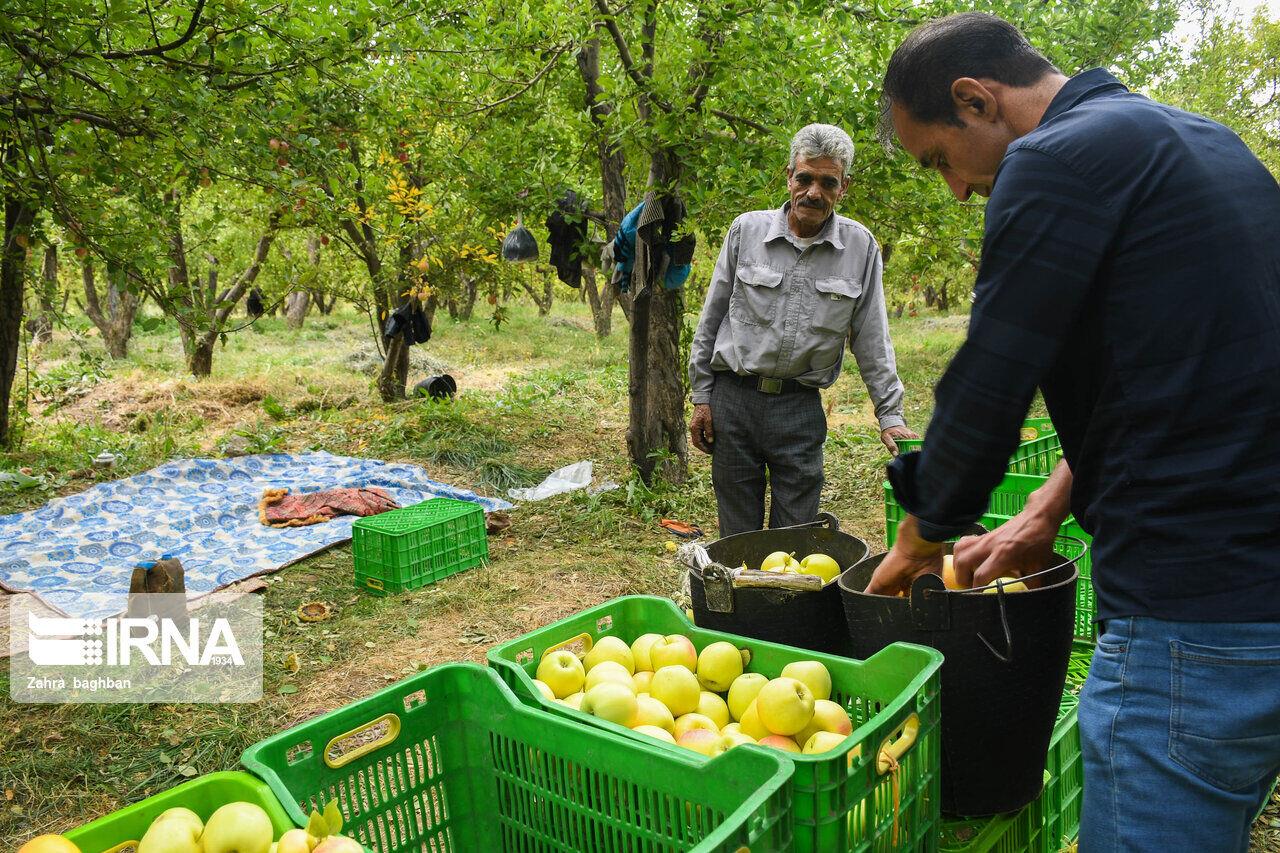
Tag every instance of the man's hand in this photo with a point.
(887, 437)
(700, 431)
(1021, 546)
(909, 558)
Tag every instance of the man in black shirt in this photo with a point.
(1130, 271)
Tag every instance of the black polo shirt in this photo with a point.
(1131, 271)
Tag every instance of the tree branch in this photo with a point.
(533, 81)
(163, 48)
(735, 119)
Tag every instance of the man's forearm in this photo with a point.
(1052, 501)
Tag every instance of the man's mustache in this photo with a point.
(815, 204)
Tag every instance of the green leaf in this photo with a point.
(287, 689)
(333, 817)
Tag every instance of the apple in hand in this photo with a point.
(609, 671)
(718, 665)
(640, 650)
(613, 649)
(813, 674)
(611, 701)
(674, 650)
(677, 688)
(562, 672)
(743, 690)
(1009, 583)
(237, 828)
(785, 706)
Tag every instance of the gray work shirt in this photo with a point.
(779, 310)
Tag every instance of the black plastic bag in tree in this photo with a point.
(519, 245)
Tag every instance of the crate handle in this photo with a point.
(393, 732)
(374, 583)
(891, 750)
(122, 847)
(583, 638)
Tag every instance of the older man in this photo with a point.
(790, 287)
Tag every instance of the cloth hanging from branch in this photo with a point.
(411, 321)
(567, 230)
(644, 251)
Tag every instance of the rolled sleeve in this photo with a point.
(714, 309)
(1047, 233)
(872, 347)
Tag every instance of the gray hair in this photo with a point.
(822, 140)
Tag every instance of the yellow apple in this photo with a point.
(743, 690)
(822, 742)
(1008, 582)
(640, 651)
(704, 741)
(651, 712)
(609, 671)
(732, 727)
(781, 742)
(643, 679)
(688, 722)
(710, 705)
(562, 672)
(655, 732)
(949, 572)
(49, 844)
(674, 650)
(821, 565)
(610, 648)
(827, 717)
(574, 700)
(338, 844)
(730, 739)
(181, 813)
(294, 841)
(544, 689)
(236, 828)
(718, 665)
(677, 688)
(775, 561)
(175, 831)
(750, 722)
(813, 674)
(611, 701)
(785, 706)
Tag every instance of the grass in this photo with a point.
(535, 396)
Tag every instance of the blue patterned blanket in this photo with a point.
(78, 552)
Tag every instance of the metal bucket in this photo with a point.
(808, 620)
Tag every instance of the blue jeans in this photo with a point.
(1179, 734)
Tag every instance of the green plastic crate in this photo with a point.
(838, 803)
(1038, 453)
(418, 545)
(1051, 822)
(1007, 500)
(121, 830)
(450, 761)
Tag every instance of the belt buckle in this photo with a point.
(769, 386)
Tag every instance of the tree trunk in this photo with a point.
(18, 217)
(544, 299)
(601, 304)
(324, 302)
(41, 325)
(296, 305)
(200, 362)
(394, 375)
(656, 434)
(179, 299)
(116, 323)
(471, 289)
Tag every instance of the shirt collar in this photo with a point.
(1085, 86)
(780, 228)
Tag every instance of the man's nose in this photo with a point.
(959, 188)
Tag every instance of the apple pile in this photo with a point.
(822, 565)
(241, 827)
(1009, 583)
(662, 687)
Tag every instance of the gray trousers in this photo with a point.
(755, 432)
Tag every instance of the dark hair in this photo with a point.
(936, 54)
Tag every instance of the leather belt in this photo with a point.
(763, 384)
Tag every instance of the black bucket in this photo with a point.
(1005, 665)
(808, 620)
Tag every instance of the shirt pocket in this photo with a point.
(834, 301)
(755, 295)
(1225, 720)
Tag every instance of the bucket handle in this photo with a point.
(822, 519)
(1004, 623)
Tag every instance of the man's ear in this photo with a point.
(844, 186)
(974, 100)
